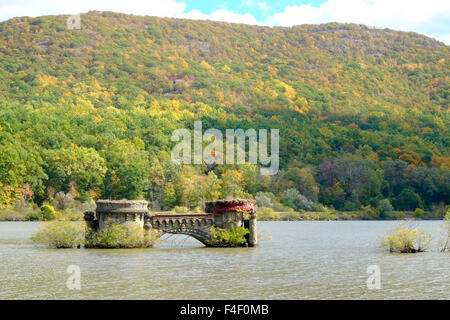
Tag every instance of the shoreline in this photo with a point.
(280, 220)
(263, 215)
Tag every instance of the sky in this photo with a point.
(428, 17)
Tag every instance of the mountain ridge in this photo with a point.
(126, 82)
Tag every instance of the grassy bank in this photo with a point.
(353, 215)
(368, 213)
(45, 213)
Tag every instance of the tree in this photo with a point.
(20, 166)
(170, 196)
(250, 177)
(297, 201)
(63, 200)
(232, 183)
(192, 186)
(213, 186)
(156, 179)
(384, 207)
(304, 181)
(408, 200)
(290, 198)
(82, 166)
(264, 199)
(127, 175)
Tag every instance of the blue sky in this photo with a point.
(260, 9)
(429, 17)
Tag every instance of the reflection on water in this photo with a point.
(303, 260)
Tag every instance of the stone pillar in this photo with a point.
(148, 222)
(253, 236)
(227, 214)
(121, 211)
(91, 222)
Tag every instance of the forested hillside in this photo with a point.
(363, 113)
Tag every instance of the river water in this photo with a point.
(303, 260)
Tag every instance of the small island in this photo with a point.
(129, 224)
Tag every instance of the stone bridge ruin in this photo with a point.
(220, 214)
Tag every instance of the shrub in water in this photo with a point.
(446, 226)
(59, 234)
(114, 235)
(406, 240)
(228, 238)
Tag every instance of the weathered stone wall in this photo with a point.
(121, 211)
(235, 212)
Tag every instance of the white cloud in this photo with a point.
(33, 8)
(430, 17)
(166, 8)
(263, 6)
(253, 4)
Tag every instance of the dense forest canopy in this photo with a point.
(363, 113)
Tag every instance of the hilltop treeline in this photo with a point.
(363, 113)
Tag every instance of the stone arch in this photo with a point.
(197, 234)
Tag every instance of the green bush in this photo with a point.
(385, 208)
(291, 215)
(181, 209)
(395, 215)
(349, 216)
(369, 212)
(419, 213)
(408, 200)
(265, 214)
(114, 235)
(59, 234)
(48, 213)
(278, 207)
(228, 238)
(446, 226)
(197, 210)
(406, 240)
(34, 216)
(71, 215)
(440, 210)
(11, 215)
(318, 207)
(349, 206)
